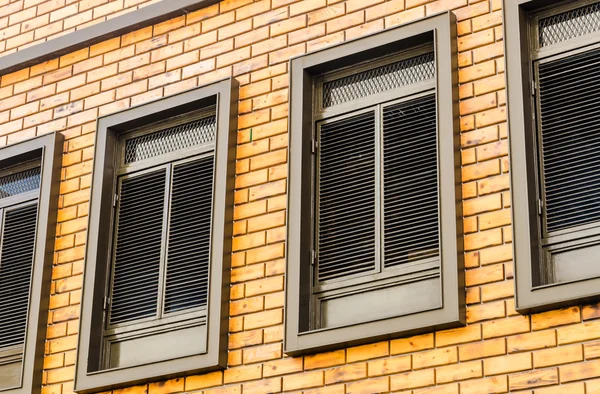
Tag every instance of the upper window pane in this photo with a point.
(376, 80)
(570, 24)
(20, 182)
(171, 139)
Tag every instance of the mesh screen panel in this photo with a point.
(169, 140)
(570, 24)
(391, 76)
(20, 182)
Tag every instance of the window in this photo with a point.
(159, 245)
(29, 179)
(553, 119)
(374, 209)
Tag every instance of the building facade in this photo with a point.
(415, 181)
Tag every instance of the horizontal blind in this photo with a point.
(138, 247)
(410, 185)
(380, 79)
(569, 24)
(346, 194)
(570, 118)
(171, 139)
(16, 261)
(189, 235)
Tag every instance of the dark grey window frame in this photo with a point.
(527, 227)
(51, 147)
(91, 326)
(304, 70)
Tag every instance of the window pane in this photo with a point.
(16, 261)
(410, 181)
(189, 236)
(346, 207)
(570, 122)
(138, 247)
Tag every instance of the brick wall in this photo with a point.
(497, 352)
(28, 22)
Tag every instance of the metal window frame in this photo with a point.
(304, 70)
(524, 162)
(89, 377)
(49, 148)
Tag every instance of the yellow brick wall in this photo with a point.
(28, 22)
(497, 352)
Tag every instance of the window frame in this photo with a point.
(109, 130)
(304, 71)
(524, 160)
(51, 146)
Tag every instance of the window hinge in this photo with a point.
(315, 146)
(313, 257)
(533, 88)
(115, 200)
(540, 207)
(106, 303)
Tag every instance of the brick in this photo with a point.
(412, 344)
(389, 365)
(462, 371)
(302, 381)
(411, 380)
(556, 318)
(532, 379)
(346, 373)
(282, 367)
(435, 357)
(459, 335)
(325, 360)
(492, 385)
(378, 385)
(579, 332)
(532, 341)
(504, 327)
(507, 364)
(557, 356)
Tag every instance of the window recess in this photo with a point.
(556, 174)
(366, 256)
(161, 269)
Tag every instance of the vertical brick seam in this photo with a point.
(497, 352)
